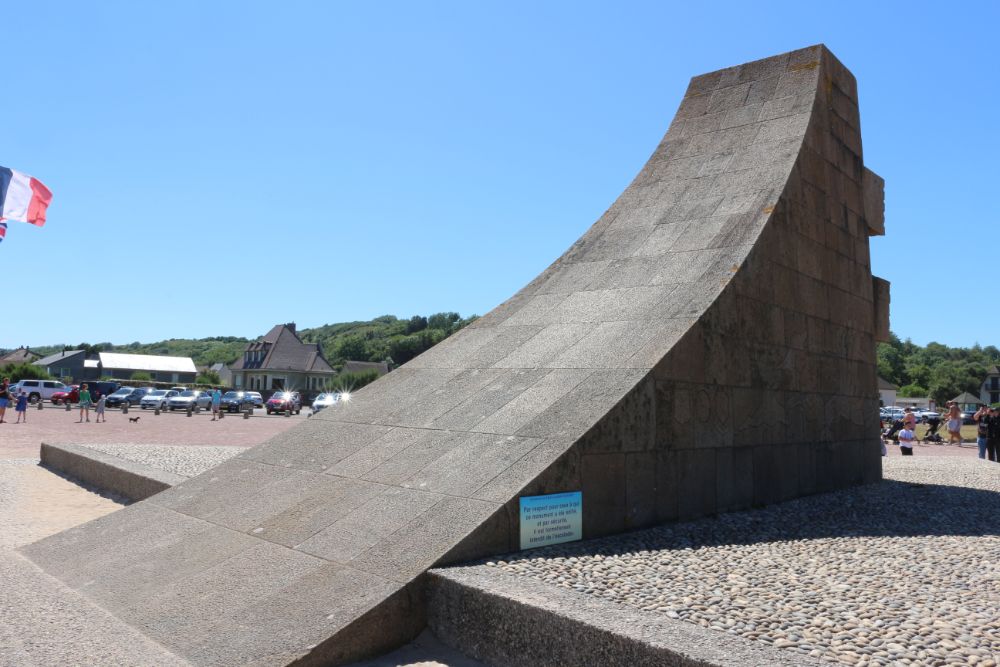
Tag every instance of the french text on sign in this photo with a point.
(551, 519)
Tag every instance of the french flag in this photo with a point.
(22, 198)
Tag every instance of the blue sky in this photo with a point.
(221, 167)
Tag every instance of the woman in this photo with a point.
(954, 424)
(4, 397)
(85, 401)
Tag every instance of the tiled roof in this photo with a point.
(18, 356)
(58, 356)
(284, 351)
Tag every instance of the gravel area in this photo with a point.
(187, 460)
(904, 572)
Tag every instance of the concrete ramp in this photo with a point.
(707, 345)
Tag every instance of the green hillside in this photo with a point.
(386, 337)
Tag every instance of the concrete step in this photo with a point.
(506, 620)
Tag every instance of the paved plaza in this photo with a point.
(54, 424)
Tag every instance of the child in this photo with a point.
(99, 409)
(906, 438)
(22, 408)
(85, 402)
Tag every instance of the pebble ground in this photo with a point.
(904, 572)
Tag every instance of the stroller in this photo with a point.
(892, 432)
(932, 431)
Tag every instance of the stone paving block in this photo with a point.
(409, 551)
(697, 479)
(486, 401)
(481, 457)
(604, 483)
(364, 526)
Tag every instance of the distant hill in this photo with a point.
(386, 337)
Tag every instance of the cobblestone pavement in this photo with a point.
(55, 425)
(187, 460)
(904, 572)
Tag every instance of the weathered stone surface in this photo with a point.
(708, 343)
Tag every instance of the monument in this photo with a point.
(707, 345)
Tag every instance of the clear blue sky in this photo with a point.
(221, 167)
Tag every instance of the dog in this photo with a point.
(134, 420)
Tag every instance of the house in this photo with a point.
(380, 367)
(280, 360)
(65, 364)
(21, 355)
(886, 392)
(989, 392)
(122, 366)
(225, 375)
(967, 402)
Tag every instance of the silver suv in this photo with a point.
(37, 390)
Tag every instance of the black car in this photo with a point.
(100, 388)
(236, 401)
(137, 395)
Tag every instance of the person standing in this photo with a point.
(99, 409)
(216, 402)
(993, 437)
(22, 408)
(85, 402)
(906, 438)
(4, 397)
(954, 424)
(982, 419)
(909, 419)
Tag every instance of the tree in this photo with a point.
(208, 377)
(350, 347)
(416, 323)
(912, 391)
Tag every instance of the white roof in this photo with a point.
(147, 362)
(90, 363)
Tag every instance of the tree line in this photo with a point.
(935, 370)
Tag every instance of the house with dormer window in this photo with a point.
(281, 361)
(989, 392)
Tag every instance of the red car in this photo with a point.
(70, 396)
(284, 400)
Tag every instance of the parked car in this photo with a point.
(255, 398)
(190, 398)
(37, 390)
(325, 401)
(135, 398)
(178, 389)
(925, 414)
(236, 401)
(284, 401)
(71, 394)
(157, 399)
(120, 396)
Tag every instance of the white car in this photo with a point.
(325, 401)
(37, 390)
(157, 399)
(190, 398)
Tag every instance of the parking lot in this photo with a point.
(54, 424)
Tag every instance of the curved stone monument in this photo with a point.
(707, 345)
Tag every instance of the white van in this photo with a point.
(37, 390)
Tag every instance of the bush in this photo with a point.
(208, 377)
(352, 381)
(23, 371)
(141, 376)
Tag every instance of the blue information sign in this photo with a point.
(551, 519)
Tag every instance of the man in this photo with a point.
(993, 437)
(216, 402)
(983, 421)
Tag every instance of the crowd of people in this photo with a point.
(904, 431)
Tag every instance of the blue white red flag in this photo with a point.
(3, 230)
(22, 197)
